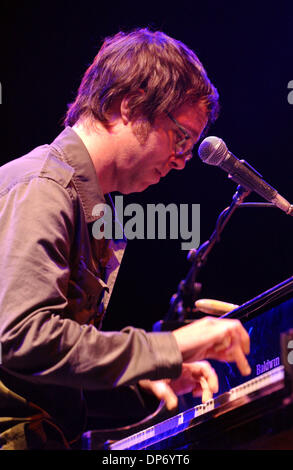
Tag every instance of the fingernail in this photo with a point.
(247, 370)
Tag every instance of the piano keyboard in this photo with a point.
(182, 421)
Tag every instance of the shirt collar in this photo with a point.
(74, 152)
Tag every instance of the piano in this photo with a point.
(253, 413)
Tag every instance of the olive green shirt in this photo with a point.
(55, 284)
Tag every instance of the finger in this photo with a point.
(245, 340)
(207, 380)
(163, 391)
(234, 330)
(209, 374)
(241, 361)
(207, 394)
(237, 351)
(238, 329)
(233, 346)
(224, 344)
(201, 389)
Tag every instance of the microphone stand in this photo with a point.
(182, 303)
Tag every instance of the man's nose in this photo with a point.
(178, 163)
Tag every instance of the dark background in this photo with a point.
(247, 51)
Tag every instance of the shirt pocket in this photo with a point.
(84, 295)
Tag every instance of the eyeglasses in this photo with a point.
(181, 146)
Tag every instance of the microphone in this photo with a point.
(213, 151)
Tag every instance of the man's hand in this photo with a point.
(214, 338)
(197, 377)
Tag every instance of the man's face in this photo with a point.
(151, 157)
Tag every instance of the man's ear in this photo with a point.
(125, 108)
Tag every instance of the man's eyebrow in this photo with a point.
(193, 134)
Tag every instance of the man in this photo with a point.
(142, 105)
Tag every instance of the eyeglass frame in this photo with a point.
(187, 136)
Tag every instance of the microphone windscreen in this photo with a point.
(212, 150)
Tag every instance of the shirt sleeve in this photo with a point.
(38, 342)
